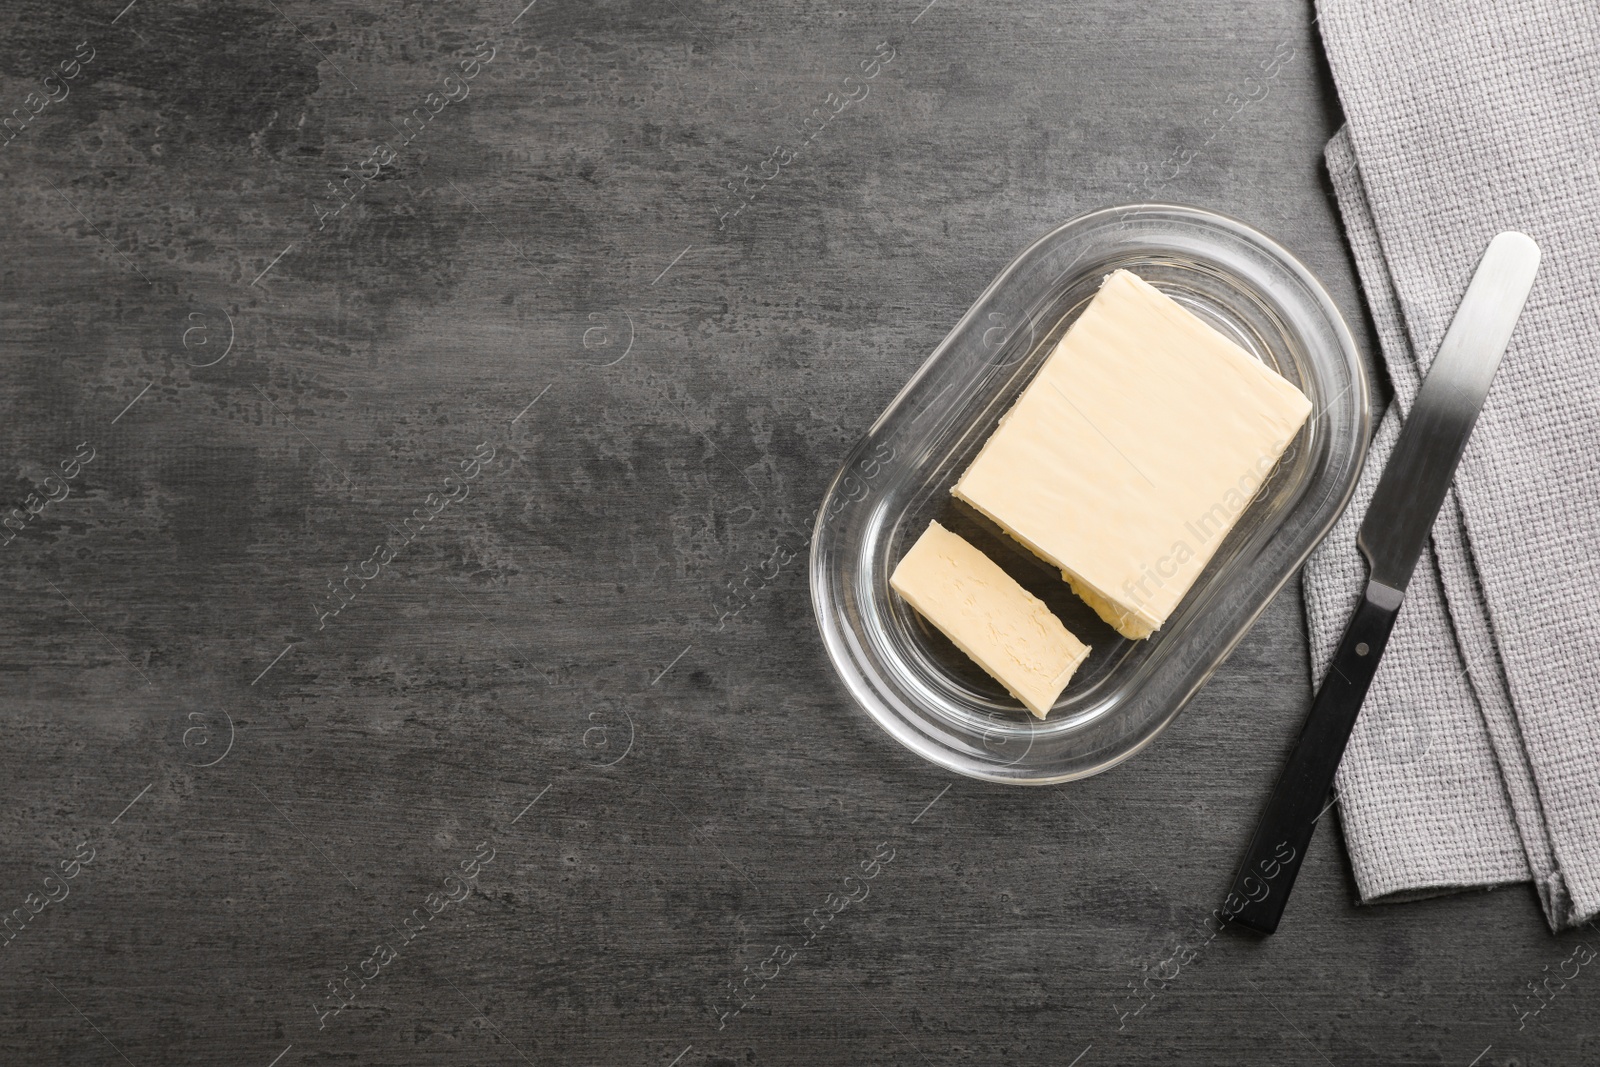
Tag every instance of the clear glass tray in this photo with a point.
(915, 683)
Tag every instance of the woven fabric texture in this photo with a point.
(1477, 758)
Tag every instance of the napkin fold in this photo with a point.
(1476, 759)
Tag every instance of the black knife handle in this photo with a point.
(1261, 888)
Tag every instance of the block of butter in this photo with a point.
(1128, 458)
(1005, 629)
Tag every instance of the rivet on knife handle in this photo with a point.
(1404, 506)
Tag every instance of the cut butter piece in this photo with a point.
(1128, 458)
(1005, 629)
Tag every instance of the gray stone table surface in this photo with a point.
(395, 413)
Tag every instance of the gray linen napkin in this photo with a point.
(1476, 761)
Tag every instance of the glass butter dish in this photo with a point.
(917, 685)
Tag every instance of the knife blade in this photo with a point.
(1399, 519)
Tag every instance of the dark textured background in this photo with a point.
(554, 635)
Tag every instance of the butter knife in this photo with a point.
(1410, 492)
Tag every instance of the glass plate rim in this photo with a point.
(836, 636)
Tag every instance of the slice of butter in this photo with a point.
(1131, 454)
(1005, 629)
